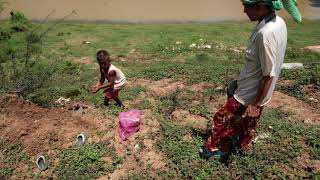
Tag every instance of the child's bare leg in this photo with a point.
(106, 101)
(107, 94)
(116, 98)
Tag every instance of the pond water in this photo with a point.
(145, 10)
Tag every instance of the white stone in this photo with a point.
(193, 45)
(261, 136)
(292, 66)
(62, 101)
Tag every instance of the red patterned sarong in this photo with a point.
(229, 130)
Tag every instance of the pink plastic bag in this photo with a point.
(129, 123)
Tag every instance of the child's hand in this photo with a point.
(94, 89)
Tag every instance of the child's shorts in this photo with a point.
(108, 93)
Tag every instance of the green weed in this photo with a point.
(263, 160)
(11, 156)
(85, 162)
(303, 56)
(19, 21)
(173, 101)
(145, 104)
(2, 5)
(201, 110)
(308, 76)
(131, 93)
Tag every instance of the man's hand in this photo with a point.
(252, 111)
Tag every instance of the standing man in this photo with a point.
(235, 123)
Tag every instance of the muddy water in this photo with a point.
(144, 10)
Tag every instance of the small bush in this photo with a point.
(2, 5)
(5, 33)
(21, 69)
(19, 21)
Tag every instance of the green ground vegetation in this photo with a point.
(11, 156)
(42, 66)
(85, 162)
(160, 55)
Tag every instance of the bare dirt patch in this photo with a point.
(217, 102)
(316, 164)
(143, 96)
(84, 60)
(43, 130)
(304, 161)
(139, 151)
(185, 118)
(313, 91)
(49, 131)
(133, 55)
(300, 109)
(200, 86)
(285, 82)
(187, 137)
(315, 48)
(161, 87)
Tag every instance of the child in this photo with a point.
(115, 77)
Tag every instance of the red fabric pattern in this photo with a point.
(110, 93)
(229, 130)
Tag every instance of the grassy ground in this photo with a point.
(157, 52)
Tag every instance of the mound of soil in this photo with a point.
(300, 109)
(42, 130)
(50, 131)
(160, 88)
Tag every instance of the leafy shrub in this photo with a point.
(21, 69)
(19, 21)
(2, 6)
(5, 33)
(31, 79)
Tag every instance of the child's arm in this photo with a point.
(94, 88)
(107, 85)
(102, 78)
(111, 75)
(110, 83)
